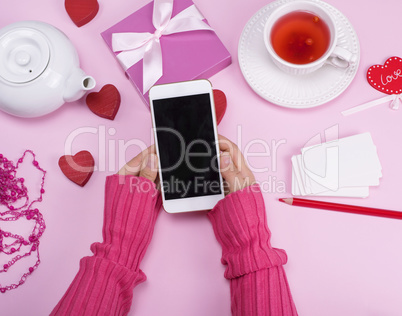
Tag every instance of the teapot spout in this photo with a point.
(77, 85)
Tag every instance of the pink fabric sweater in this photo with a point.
(105, 281)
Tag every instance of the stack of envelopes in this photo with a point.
(345, 167)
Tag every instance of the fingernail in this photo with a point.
(151, 163)
(226, 159)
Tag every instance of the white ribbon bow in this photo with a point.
(396, 101)
(146, 46)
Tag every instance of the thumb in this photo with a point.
(228, 170)
(149, 167)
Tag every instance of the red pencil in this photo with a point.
(342, 208)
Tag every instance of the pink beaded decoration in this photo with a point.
(12, 189)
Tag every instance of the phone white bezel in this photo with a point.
(180, 89)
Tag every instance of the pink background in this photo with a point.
(339, 264)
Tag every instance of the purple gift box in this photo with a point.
(189, 55)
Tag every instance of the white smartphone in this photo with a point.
(183, 116)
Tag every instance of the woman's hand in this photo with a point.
(234, 169)
(145, 164)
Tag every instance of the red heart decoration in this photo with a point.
(78, 168)
(386, 78)
(81, 11)
(220, 105)
(105, 103)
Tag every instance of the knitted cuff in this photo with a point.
(132, 205)
(240, 225)
(101, 287)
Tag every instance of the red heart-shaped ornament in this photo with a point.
(81, 11)
(386, 78)
(78, 168)
(105, 103)
(220, 105)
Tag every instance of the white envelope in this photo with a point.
(350, 161)
(359, 192)
(344, 167)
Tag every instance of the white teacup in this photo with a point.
(335, 55)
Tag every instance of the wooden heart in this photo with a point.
(220, 105)
(106, 102)
(81, 11)
(386, 78)
(78, 168)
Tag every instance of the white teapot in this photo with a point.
(39, 69)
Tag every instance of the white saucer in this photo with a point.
(278, 87)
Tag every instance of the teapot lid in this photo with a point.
(24, 55)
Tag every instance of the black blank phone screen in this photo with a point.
(186, 144)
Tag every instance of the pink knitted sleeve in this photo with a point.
(105, 281)
(258, 282)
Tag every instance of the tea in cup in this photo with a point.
(301, 37)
